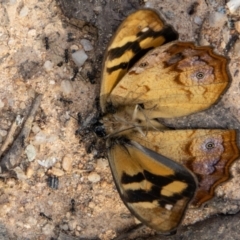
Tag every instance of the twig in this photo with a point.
(13, 156)
(10, 137)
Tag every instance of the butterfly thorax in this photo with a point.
(127, 119)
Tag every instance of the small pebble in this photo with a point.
(48, 162)
(52, 82)
(233, 5)
(91, 205)
(67, 163)
(32, 33)
(72, 225)
(30, 152)
(19, 224)
(102, 164)
(79, 57)
(48, 229)
(48, 65)
(56, 172)
(217, 19)
(94, 177)
(87, 46)
(64, 227)
(20, 174)
(198, 20)
(40, 138)
(66, 86)
(3, 133)
(27, 226)
(24, 12)
(36, 128)
(29, 172)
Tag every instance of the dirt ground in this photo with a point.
(36, 57)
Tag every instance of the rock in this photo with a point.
(24, 12)
(48, 65)
(56, 172)
(217, 19)
(67, 163)
(48, 162)
(48, 229)
(72, 225)
(79, 57)
(87, 46)
(66, 86)
(233, 5)
(30, 152)
(20, 174)
(94, 177)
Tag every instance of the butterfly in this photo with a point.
(147, 74)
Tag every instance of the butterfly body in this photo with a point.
(159, 171)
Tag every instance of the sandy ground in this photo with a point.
(34, 37)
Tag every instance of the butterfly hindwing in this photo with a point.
(156, 189)
(208, 153)
(173, 80)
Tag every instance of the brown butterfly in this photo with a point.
(147, 75)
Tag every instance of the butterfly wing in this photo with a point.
(207, 153)
(173, 80)
(139, 32)
(155, 189)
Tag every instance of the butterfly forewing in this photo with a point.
(154, 188)
(139, 32)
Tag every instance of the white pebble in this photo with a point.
(32, 33)
(79, 57)
(27, 226)
(233, 5)
(30, 152)
(94, 177)
(66, 86)
(198, 20)
(23, 12)
(48, 65)
(48, 162)
(86, 44)
(19, 120)
(52, 82)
